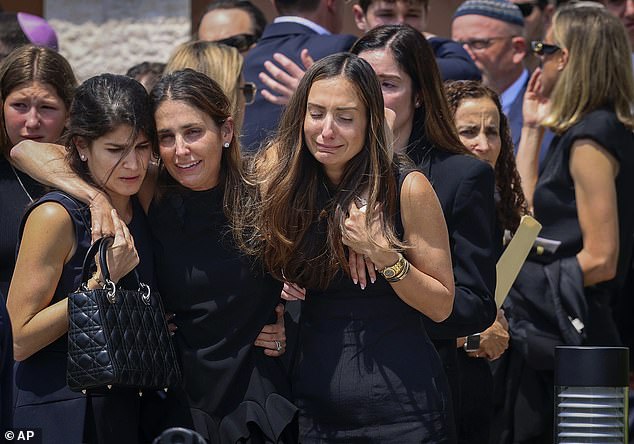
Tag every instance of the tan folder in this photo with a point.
(516, 252)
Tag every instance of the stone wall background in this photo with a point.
(99, 36)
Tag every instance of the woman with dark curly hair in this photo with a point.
(483, 129)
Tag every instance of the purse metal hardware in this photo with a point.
(112, 291)
(145, 290)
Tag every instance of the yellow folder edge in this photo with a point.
(514, 256)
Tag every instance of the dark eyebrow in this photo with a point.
(340, 108)
(389, 77)
(117, 145)
(184, 127)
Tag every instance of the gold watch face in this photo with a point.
(389, 273)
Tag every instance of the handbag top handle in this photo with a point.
(100, 246)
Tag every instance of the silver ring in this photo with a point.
(278, 345)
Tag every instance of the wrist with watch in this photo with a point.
(472, 343)
(397, 271)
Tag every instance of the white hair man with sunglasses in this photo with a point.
(492, 32)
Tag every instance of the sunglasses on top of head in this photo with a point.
(242, 42)
(541, 48)
(249, 90)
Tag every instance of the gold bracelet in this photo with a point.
(397, 271)
(95, 277)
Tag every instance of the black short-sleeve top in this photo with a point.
(555, 204)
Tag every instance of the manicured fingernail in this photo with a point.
(373, 280)
(362, 286)
(355, 281)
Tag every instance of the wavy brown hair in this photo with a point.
(512, 204)
(299, 222)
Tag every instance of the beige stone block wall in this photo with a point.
(99, 36)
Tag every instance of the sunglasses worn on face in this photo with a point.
(249, 89)
(541, 48)
(482, 43)
(242, 42)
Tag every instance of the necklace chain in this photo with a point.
(17, 176)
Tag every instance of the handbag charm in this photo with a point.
(118, 337)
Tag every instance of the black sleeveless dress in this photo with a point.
(232, 391)
(43, 400)
(556, 209)
(527, 413)
(366, 370)
(13, 203)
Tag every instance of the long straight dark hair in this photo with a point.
(299, 222)
(414, 55)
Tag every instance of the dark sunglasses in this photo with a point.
(526, 8)
(249, 89)
(242, 42)
(541, 48)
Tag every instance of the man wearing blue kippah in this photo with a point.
(492, 32)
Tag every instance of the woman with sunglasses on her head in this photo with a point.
(109, 142)
(232, 390)
(366, 370)
(423, 128)
(223, 64)
(583, 92)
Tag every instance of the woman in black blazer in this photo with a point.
(423, 128)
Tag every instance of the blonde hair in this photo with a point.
(599, 68)
(219, 62)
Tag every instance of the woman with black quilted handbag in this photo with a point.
(233, 388)
(111, 137)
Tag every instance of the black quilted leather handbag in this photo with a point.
(118, 337)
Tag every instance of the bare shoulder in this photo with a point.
(52, 213)
(416, 189)
(49, 226)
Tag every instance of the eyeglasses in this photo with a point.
(526, 8)
(541, 48)
(249, 89)
(483, 43)
(242, 42)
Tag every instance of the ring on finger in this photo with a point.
(278, 346)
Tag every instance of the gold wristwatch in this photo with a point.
(397, 271)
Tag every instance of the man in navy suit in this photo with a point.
(310, 24)
(492, 33)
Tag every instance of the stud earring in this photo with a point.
(82, 157)
(225, 145)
